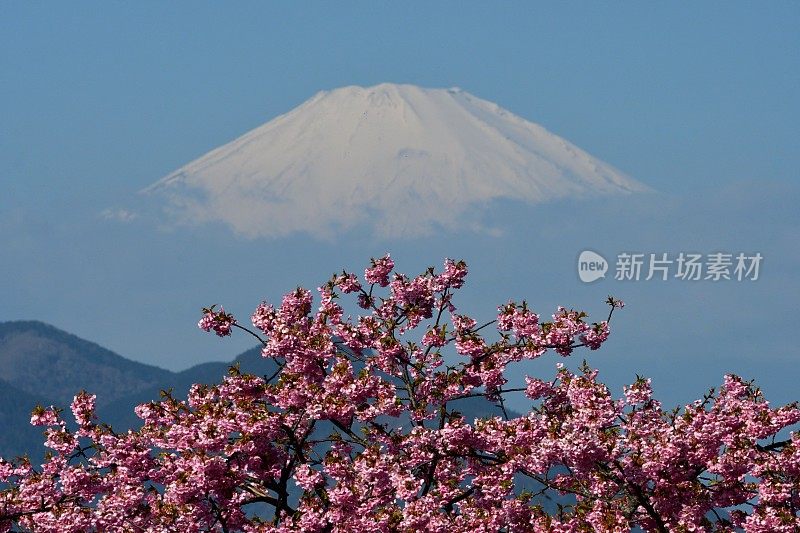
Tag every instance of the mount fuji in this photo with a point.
(400, 158)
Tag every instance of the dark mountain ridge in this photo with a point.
(43, 365)
(43, 360)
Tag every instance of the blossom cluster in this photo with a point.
(360, 429)
(219, 321)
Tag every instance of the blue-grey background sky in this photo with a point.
(99, 100)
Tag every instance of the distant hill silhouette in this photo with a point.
(40, 359)
(17, 436)
(43, 365)
(120, 414)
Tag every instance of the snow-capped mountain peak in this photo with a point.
(402, 158)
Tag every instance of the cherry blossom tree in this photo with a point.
(360, 429)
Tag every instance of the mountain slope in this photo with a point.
(402, 157)
(17, 436)
(57, 350)
(42, 365)
(120, 413)
(40, 359)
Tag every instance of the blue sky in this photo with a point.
(699, 101)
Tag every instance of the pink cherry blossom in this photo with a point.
(220, 321)
(361, 429)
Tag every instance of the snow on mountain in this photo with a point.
(400, 158)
